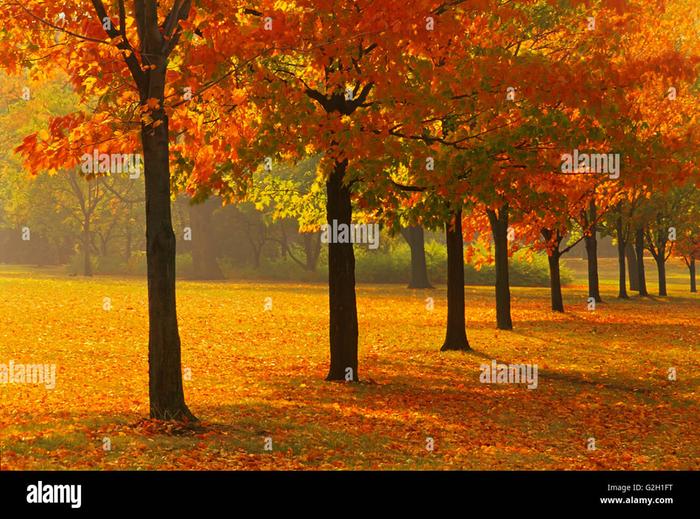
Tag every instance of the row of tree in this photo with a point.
(420, 116)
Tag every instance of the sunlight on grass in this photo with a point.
(255, 375)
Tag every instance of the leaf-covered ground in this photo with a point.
(257, 375)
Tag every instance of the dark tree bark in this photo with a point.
(657, 247)
(621, 246)
(456, 334)
(165, 370)
(691, 269)
(341, 257)
(157, 41)
(591, 242)
(341, 282)
(499, 230)
(555, 282)
(661, 270)
(553, 258)
(632, 269)
(204, 264)
(639, 250)
(415, 237)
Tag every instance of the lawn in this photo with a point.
(255, 378)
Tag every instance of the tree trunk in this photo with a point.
(641, 276)
(127, 243)
(204, 264)
(456, 336)
(499, 230)
(661, 269)
(167, 400)
(632, 266)
(284, 242)
(591, 242)
(415, 238)
(691, 268)
(621, 246)
(341, 282)
(312, 250)
(87, 264)
(660, 258)
(555, 282)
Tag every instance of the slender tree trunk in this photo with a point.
(165, 382)
(555, 282)
(415, 237)
(499, 230)
(456, 335)
(591, 242)
(691, 269)
(341, 282)
(284, 241)
(257, 253)
(641, 276)
(312, 250)
(661, 269)
(621, 246)
(204, 264)
(660, 258)
(632, 269)
(127, 244)
(87, 263)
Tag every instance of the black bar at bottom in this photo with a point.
(287, 492)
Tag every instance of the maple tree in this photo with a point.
(469, 122)
(627, 78)
(489, 136)
(341, 71)
(130, 56)
(452, 115)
